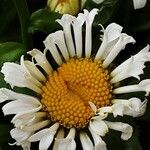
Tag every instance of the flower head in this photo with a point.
(80, 93)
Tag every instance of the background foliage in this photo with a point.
(25, 24)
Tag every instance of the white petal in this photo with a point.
(111, 35)
(144, 85)
(118, 109)
(6, 94)
(132, 107)
(103, 112)
(86, 142)
(99, 144)
(20, 135)
(77, 28)
(45, 136)
(98, 1)
(27, 119)
(66, 22)
(98, 126)
(67, 143)
(142, 56)
(26, 145)
(132, 67)
(126, 129)
(36, 126)
(47, 131)
(112, 43)
(119, 45)
(23, 106)
(31, 67)
(41, 60)
(50, 45)
(89, 18)
(16, 75)
(39, 135)
(45, 142)
(59, 39)
(60, 135)
(139, 3)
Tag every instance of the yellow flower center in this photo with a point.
(68, 91)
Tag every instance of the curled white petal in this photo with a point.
(119, 45)
(20, 135)
(99, 144)
(27, 119)
(103, 112)
(66, 22)
(60, 135)
(16, 75)
(6, 95)
(77, 28)
(89, 18)
(98, 126)
(23, 106)
(45, 136)
(132, 107)
(59, 39)
(132, 67)
(21, 138)
(41, 60)
(50, 42)
(86, 142)
(111, 35)
(67, 143)
(27, 103)
(112, 43)
(139, 3)
(31, 67)
(144, 85)
(126, 129)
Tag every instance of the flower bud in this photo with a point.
(64, 6)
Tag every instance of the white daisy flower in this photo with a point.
(80, 93)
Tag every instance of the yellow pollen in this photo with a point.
(68, 91)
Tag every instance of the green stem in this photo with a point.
(24, 16)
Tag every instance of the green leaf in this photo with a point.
(24, 16)
(44, 20)
(10, 51)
